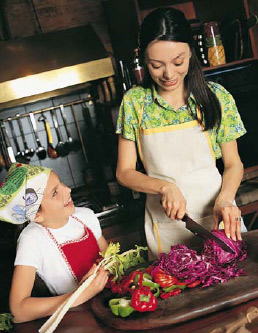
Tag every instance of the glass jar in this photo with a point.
(216, 52)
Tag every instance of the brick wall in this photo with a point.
(54, 15)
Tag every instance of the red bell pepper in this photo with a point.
(124, 284)
(128, 282)
(164, 280)
(144, 300)
(194, 284)
(170, 293)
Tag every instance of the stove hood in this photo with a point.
(51, 64)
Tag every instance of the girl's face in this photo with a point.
(168, 64)
(56, 205)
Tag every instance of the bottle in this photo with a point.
(216, 52)
(138, 69)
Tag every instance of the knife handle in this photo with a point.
(184, 218)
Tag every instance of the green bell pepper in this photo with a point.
(175, 286)
(148, 282)
(145, 276)
(121, 306)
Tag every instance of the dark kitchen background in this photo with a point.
(68, 63)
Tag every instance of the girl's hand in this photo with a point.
(98, 284)
(95, 287)
(231, 216)
(91, 271)
(172, 201)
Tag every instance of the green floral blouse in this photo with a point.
(158, 113)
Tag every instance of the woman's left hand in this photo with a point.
(231, 216)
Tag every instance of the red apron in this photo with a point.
(79, 254)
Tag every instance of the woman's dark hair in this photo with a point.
(170, 24)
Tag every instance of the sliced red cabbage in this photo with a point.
(215, 253)
(212, 265)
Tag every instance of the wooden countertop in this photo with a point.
(81, 320)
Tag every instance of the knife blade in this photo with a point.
(199, 230)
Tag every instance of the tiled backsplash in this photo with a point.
(69, 168)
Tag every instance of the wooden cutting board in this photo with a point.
(191, 303)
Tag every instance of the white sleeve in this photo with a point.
(27, 253)
(88, 217)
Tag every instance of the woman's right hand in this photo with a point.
(173, 201)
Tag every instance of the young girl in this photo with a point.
(181, 124)
(60, 244)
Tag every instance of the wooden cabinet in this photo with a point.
(124, 18)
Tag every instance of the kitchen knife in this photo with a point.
(199, 230)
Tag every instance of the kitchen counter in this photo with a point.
(81, 320)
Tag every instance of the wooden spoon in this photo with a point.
(52, 153)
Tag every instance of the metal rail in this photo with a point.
(84, 100)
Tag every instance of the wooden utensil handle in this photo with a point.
(49, 134)
(112, 86)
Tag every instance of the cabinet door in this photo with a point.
(122, 22)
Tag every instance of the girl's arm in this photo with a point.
(231, 179)
(26, 308)
(103, 244)
(172, 200)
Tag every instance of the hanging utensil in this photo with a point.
(4, 158)
(52, 153)
(20, 155)
(79, 132)
(40, 151)
(71, 144)
(60, 147)
(111, 83)
(28, 152)
(8, 153)
(106, 91)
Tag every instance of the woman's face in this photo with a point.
(168, 64)
(57, 204)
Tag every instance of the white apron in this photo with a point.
(181, 154)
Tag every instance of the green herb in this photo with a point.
(117, 263)
(6, 321)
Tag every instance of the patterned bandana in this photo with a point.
(22, 191)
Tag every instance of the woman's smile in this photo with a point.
(168, 83)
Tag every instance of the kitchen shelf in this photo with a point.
(125, 17)
(232, 63)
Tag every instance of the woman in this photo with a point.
(181, 124)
